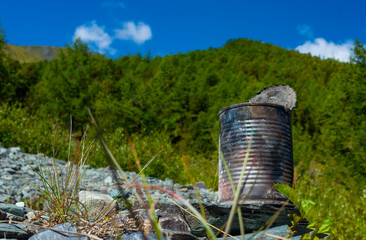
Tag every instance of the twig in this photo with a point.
(218, 229)
(274, 236)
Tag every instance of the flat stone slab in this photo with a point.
(135, 235)
(50, 234)
(255, 216)
(13, 211)
(17, 231)
(280, 231)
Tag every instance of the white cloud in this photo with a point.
(113, 4)
(321, 48)
(101, 41)
(305, 30)
(95, 36)
(138, 33)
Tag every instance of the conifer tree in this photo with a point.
(67, 87)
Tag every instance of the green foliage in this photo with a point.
(330, 206)
(3, 70)
(66, 88)
(168, 162)
(359, 57)
(307, 209)
(2, 41)
(19, 128)
(16, 86)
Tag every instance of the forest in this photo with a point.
(167, 106)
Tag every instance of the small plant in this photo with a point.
(60, 192)
(307, 210)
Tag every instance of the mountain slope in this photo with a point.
(31, 53)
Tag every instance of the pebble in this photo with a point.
(20, 204)
(49, 234)
(30, 215)
(19, 179)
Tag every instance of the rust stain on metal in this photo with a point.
(270, 156)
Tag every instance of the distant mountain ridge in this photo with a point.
(32, 53)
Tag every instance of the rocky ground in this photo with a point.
(16, 174)
(98, 188)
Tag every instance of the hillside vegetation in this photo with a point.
(168, 106)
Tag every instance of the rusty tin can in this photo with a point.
(268, 128)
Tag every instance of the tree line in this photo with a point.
(169, 104)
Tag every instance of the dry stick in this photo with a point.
(216, 228)
(151, 214)
(179, 198)
(55, 177)
(111, 158)
(148, 163)
(237, 192)
(134, 180)
(192, 181)
(273, 219)
(276, 237)
(241, 224)
(202, 209)
(137, 161)
(238, 210)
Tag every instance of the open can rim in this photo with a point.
(252, 104)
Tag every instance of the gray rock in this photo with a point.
(200, 185)
(280, 94)
(17, 213)
(15, 150)
(108, 180)
(97, 204)
(10, 170)
(133, 235)
(7, 177)
(173, 222)
(17, 231)
(280, 231)
(174, 235)
(4, 197)
(31, 215)
(168, 183)
(2, 149)
(51, 234)
(2, 215)
(116, 193)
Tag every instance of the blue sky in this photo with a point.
(117, 28)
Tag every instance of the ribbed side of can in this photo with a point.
(268, 129)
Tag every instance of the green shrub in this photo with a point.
(341, 206)
(33, 135)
